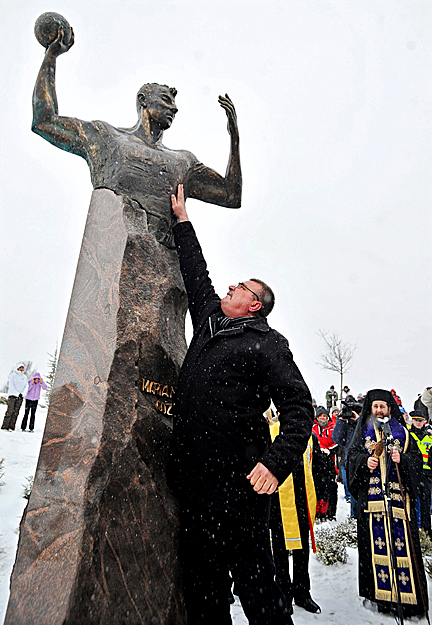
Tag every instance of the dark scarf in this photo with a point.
(224, 325)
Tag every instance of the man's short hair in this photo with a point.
(151, 87)
(267, 298)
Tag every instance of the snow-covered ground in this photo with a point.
(20, 451)
(334, 588)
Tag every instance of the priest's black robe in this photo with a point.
(366, 487)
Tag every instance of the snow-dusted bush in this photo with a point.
(332, 542)
(330, 548)
(426, 549)
(425, 543)
(28, 487)
(428, 565)
(346, 532)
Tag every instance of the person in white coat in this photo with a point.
(16, 389)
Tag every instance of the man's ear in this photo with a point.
(142, 100)
(255, 306)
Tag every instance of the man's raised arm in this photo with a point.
(203, 183)
(199, 287)
(66, 133)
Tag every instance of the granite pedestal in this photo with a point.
(98, 538)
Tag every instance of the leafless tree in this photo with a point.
(337, 356)
(52, 364)
(29, 369)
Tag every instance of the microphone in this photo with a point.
(384, 425)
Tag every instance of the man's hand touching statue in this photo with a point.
(179, 205)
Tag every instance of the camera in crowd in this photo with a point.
(349, 406)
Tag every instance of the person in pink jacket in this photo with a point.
(35, 385)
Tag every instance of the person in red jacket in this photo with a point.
(396, 397)
(323, 428)
(327, 489)
(334, 411)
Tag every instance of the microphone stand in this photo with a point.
(388, 440)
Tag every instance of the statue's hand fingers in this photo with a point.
(222, 101)
(58, 46)
(228, 107)
(72, 39)
(225, 99)
(229, 100)
(230, 103)
(59, 39)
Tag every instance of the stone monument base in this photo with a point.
(98, 540)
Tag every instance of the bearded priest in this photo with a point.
(383, 467)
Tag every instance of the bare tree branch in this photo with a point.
(337, 356)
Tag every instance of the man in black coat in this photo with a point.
(342, 436)
(223, 465)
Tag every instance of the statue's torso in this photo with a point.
(124, 163)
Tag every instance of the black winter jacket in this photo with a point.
(225, 385)
(342, 435)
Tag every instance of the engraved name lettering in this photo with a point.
(162, 390)
(163, 407)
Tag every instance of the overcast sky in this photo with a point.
(334, 103)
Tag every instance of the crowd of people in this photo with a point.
(334, 428)
(19, 387)
(338, 441)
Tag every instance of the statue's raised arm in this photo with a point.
(207, 185)
(64, 132)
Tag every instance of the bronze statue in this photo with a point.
(133, 161)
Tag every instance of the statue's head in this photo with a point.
(159, 101)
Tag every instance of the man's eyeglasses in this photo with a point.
(247, 289)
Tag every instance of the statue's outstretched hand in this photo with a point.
(58, 46)
(226, 104)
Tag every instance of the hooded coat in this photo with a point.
(17, 382)
(34, 390)
(366, 487)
